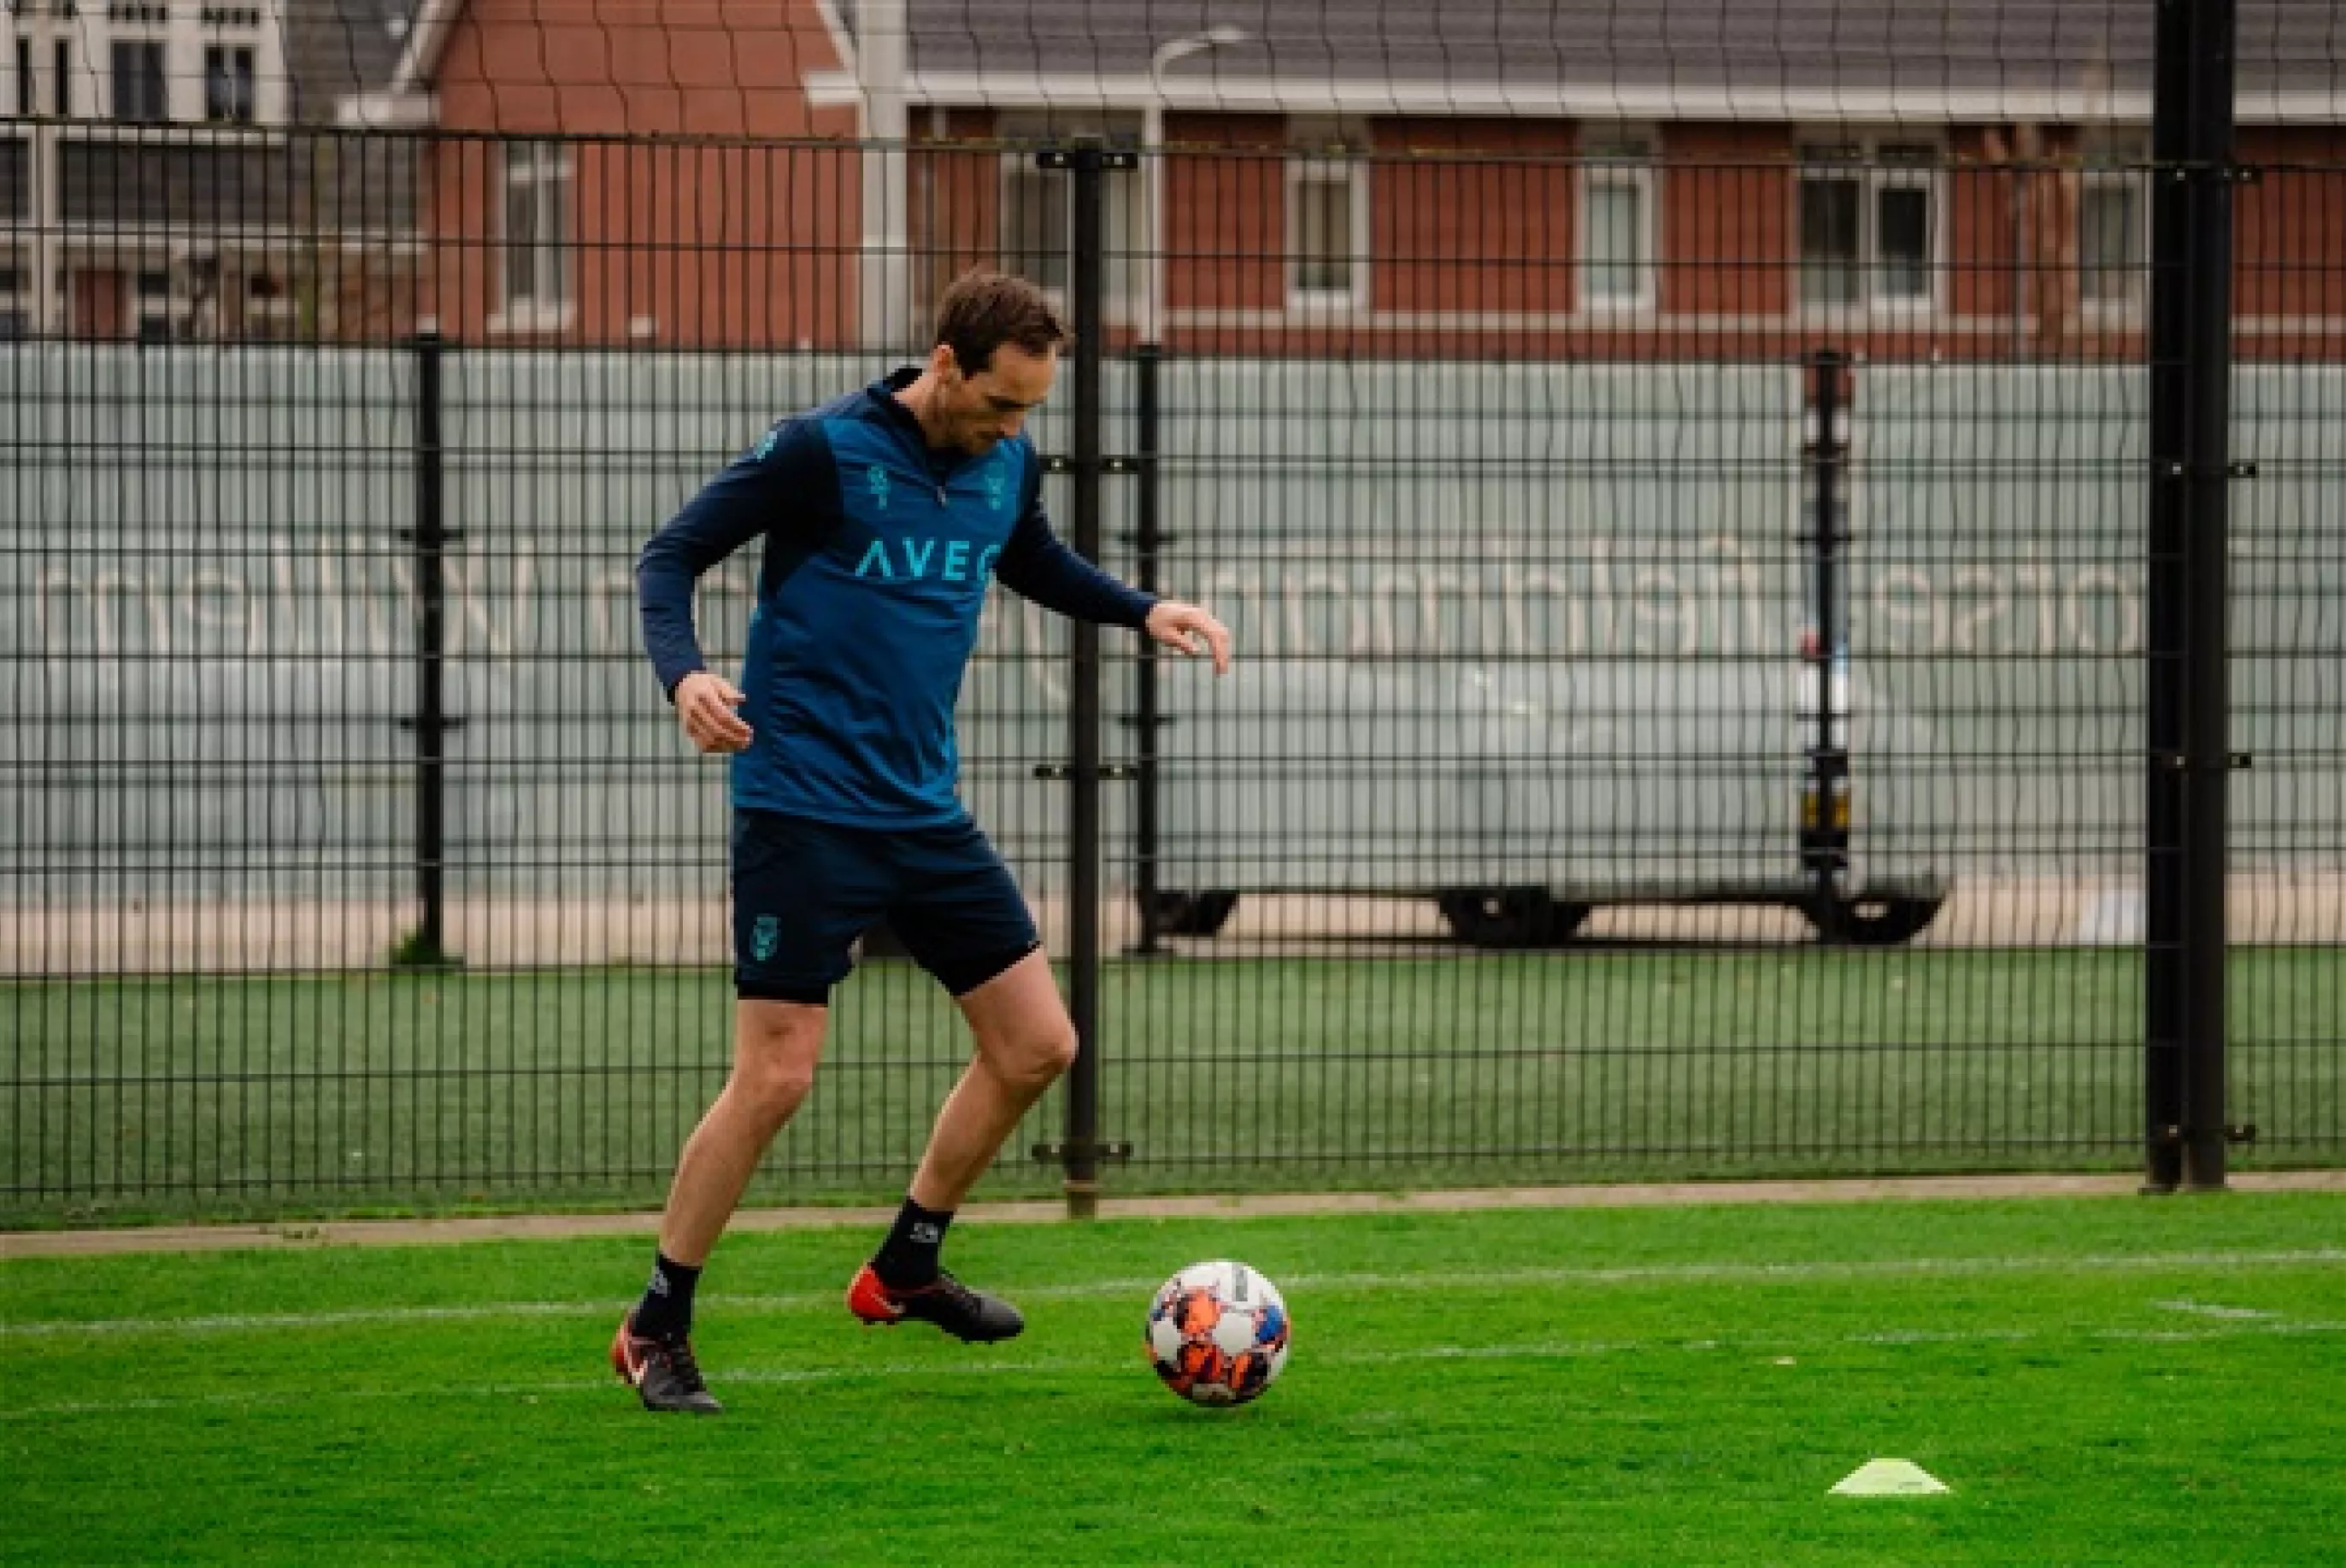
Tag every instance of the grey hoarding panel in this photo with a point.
(1504, 625)
(1498, 625)
(206, 613)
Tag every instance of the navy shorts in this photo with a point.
(805, 890)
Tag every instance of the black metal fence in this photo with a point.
(1742, 659)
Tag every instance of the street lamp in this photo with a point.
(1194, 43)
(1152, 142)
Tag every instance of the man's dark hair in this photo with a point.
(982, 310)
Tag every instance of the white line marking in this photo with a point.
(2207, 1309)
(1432, 1279)
(1559, 1350)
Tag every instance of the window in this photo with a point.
(140, 97)
(1323, 250)
(1038, 209)
(1616, 224)
(163, 313)
(2113, 224)
(269, 310)
(61, 78)
(538, 227)
(1830, 254)
(228, 84)
(1869, 226)
(1035, 217)
(1327, 216)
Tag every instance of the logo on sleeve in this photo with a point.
(875, 480)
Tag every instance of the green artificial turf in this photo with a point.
(2108, 1382)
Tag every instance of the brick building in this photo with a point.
(1493, 177)
(1571, 178)
(161, 177)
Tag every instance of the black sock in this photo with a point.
(666, 1311)
(908, 1259)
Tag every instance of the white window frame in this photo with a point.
(2118, 163)
(537, 164)
(229, 48)
(1865, 168)
(46, 34)
(1310, 159)
(161, 44)
(1619, 156)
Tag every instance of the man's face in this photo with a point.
(976, 412)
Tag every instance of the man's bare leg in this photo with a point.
(776, 1046)
(1024, 1041)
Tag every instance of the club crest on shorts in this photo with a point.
(765, 935)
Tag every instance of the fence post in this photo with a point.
(1147, 721)
(426, 946)
(1085, 276)
(1824, 802)
(2188, 708)
(1088, 162)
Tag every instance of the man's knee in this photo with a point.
(776, 1047)
(1037, 1054)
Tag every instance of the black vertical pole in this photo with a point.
(1085, 240)
(2164, 993)
(431, 723)
(1147, 539)
(2207, 570)
(1824, 807)
(2188, 707)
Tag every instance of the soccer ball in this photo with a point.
(1218, 1333)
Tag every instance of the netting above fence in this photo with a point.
(715, 66)
(803, 174)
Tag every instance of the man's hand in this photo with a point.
(704, 706)
(1190, 631)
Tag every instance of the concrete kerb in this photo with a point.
(642, 1225)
